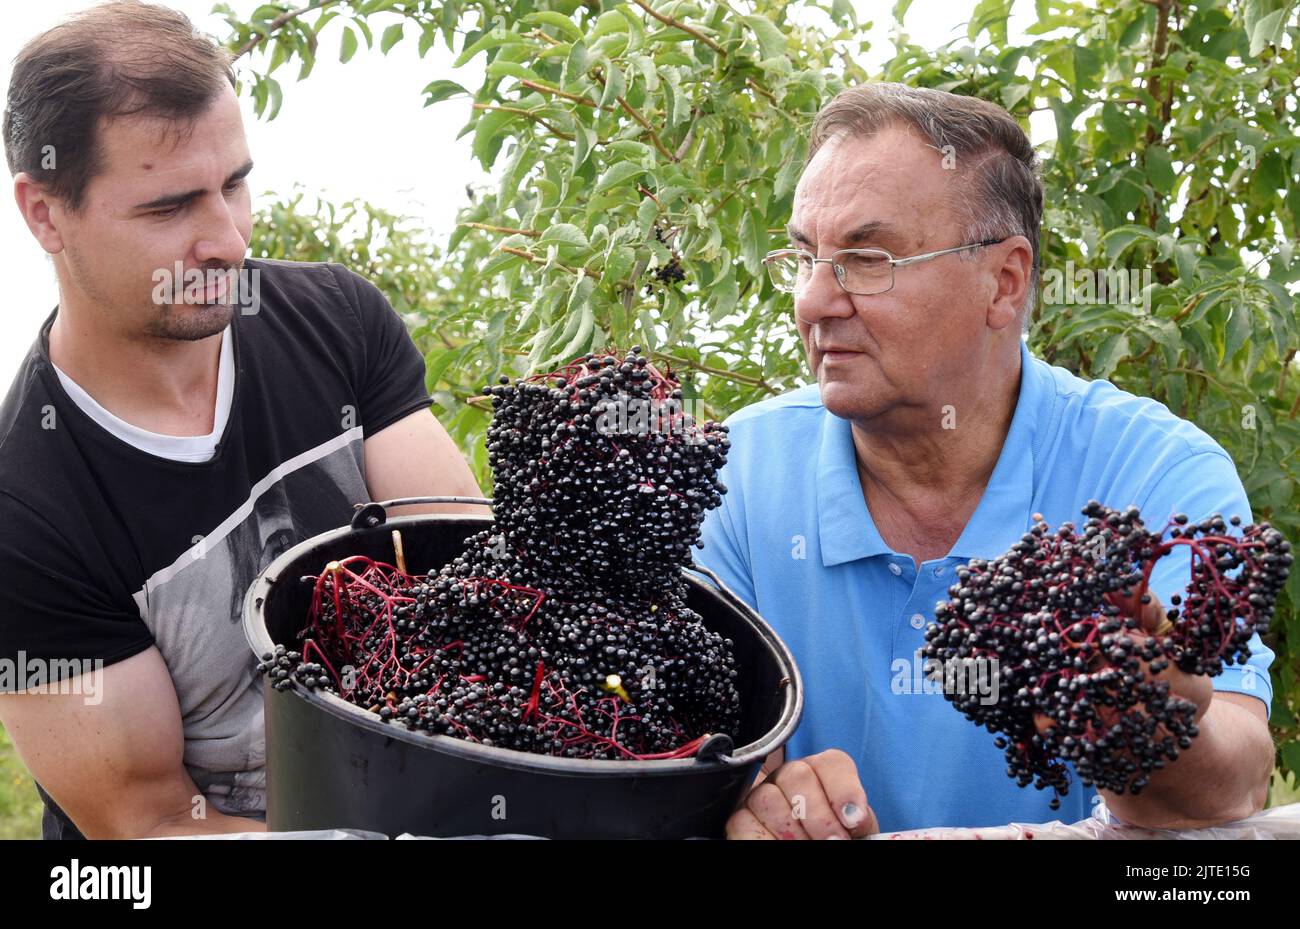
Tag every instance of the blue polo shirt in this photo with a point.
(794, 539)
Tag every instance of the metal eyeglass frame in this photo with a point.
(839, 268)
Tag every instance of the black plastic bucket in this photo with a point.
(330, 764)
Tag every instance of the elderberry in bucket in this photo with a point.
(1063, 652)
(563, 628)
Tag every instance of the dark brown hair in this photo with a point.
(1005, 188)
(124, 58)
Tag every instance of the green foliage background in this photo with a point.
(632, 135)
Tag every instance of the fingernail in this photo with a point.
(840, 837)
(852, 814)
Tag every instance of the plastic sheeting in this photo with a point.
(1281, 822)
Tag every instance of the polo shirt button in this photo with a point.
(895, 569)
(938, 571)
(917, 620)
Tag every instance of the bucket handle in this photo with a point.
(369, 515)
(723, 589)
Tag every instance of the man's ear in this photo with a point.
(37, 209)
(1014, 276)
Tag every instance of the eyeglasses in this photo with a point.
(861, 271)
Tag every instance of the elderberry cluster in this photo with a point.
(562, 629)
(671, 273)
(1064, 653)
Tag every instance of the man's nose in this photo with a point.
(822, 296)
(222, 238)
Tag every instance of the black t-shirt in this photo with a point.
(108, 549)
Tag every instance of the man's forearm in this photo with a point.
(1222, 777)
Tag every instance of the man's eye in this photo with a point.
(235, 185)
(170, 211)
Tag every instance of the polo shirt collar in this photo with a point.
(845, 528)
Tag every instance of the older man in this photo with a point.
(931, 437)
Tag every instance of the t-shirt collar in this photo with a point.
(846, 530)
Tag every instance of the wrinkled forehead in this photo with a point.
(892, 180)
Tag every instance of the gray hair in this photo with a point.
(1006, 187)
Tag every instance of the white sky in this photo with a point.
(354, 130)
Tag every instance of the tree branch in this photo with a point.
(527, 114)
(746, 379)
(506, 230)
(678, 24)
(538, 259)
(277, 23)
(576, 98)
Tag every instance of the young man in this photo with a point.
(931, 437)
(160, 445)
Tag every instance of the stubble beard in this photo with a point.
(189, 322)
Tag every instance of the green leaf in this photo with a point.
(584, 140)
(493, 39)
(633, 149)
(565, 234)
(1291, 756)
(615, 84)
(1239, 329)
(541, 341)
(788, 176)
(1064, 128)
(1186, 258)
(645, 66)
(428, 36)
(607, 23)
(1119, 239)
(558, 20)
(1268, 30)
(488, 136)
(771, 41)
(1119, 129)
(1159, 170)
(1112, 350)
(725, 293)
(392, 35)
(618, 264)
(648, 329)
(1013, 93)
(582, 337)
(436, 364)
(646, 213)
(575, 66)
(502, 68)
(276, 98)
(349, 47)
(753, 242)
(991, 15)
(618, 174)
(441, 90)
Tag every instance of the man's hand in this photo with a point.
(818, 797)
